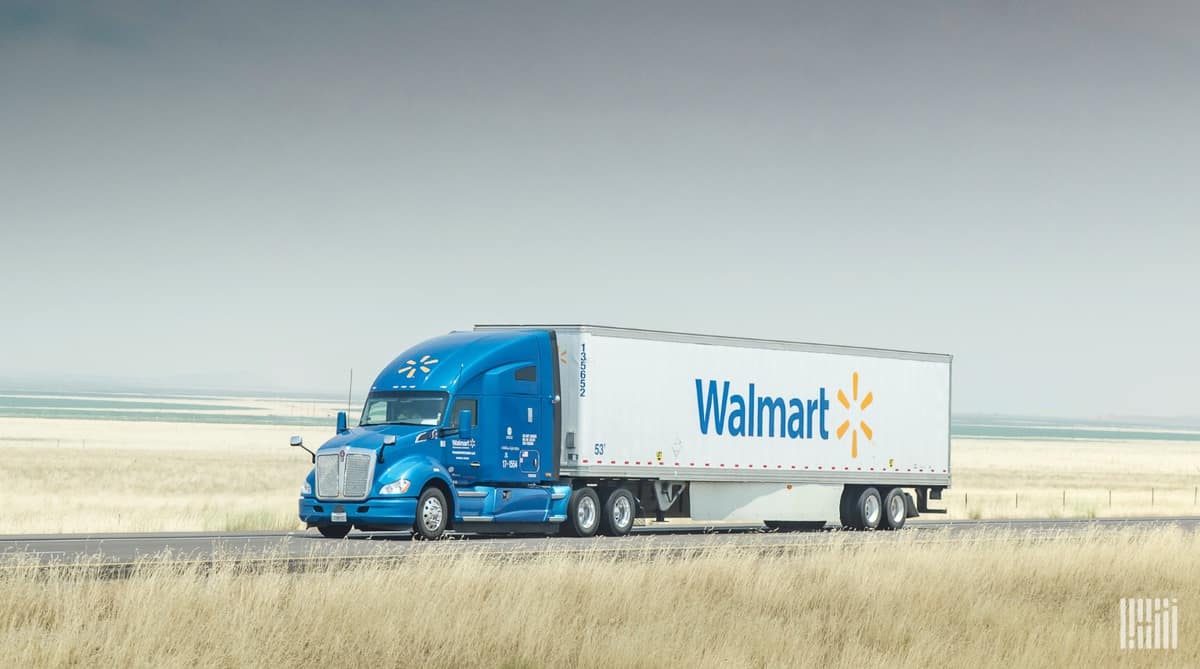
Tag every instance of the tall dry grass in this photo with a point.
(903, 600)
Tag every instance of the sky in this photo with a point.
(267, 195)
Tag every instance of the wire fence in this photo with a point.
(1087, 502)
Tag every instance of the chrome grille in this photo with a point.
(357, 481)
(346, 474)
(327, 476)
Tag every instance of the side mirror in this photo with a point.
(388, 440)
(298, 442)
(341, 422)
(464, 424)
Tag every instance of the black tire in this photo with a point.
(583, 513)
(619, 509)
(338, 531)
(895, 510)
(862, 508)
(433, 515)
(849, 494)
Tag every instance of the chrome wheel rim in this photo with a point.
(622, 512)
(871, 511)
(896, 509)
(585, 515)
(431, 514)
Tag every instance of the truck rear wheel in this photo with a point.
(583, 513)
(862, 508)
(431, 515)
(338, 531)
(895, 510)
(619, 509)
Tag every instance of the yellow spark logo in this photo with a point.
(562, 356)
(866, 402)
(424, 364)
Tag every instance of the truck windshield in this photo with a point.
(402, 407)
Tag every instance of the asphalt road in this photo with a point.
(300, 548)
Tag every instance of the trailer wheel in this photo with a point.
(862, 508)
(431, 515)
(619, 509)
(583, 513)
(895, 510)
(338, 531)
(846, 509)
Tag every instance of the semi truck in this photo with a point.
(580, 430)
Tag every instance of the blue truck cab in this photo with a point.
(461, 431)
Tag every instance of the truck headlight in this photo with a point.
(306, 489)
(396, 488)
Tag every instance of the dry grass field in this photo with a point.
(113, 476)
(996, 478)
(59, 475)
(900, 600)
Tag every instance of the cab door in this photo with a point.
(461, 456)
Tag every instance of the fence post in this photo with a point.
(1064, 498)
(1016, 500)
(1110, 498)
(1152, 497)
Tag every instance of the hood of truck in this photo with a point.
(372, 436)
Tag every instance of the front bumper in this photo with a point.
(376, 512)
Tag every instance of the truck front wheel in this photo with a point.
(338, 531)
(583, 513)
(431, 515)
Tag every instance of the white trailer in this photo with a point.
(732, 429)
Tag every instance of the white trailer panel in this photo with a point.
(641, 404)
(748, 500)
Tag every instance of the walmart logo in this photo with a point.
(425, 365)
(862, 406)
(751, 414)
